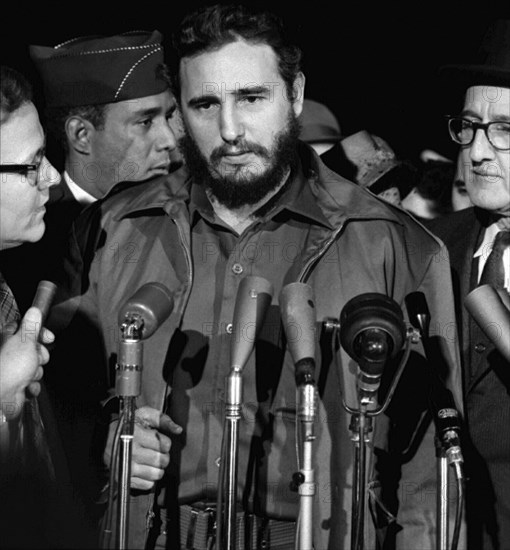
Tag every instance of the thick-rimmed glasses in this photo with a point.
(30, 171)
(463, 131)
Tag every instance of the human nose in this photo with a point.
(481, 149)
(166, 138)
(48, 175)
(231, 127)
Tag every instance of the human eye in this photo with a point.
(205, 105)
(146, 122)
(500, 134)
(252, 99)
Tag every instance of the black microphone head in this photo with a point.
(152, 302)
(368, 315)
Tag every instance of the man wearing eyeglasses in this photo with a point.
(34, 502)
(26, 176)
(478, 240)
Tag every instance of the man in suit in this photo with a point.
(109, 104)
(482, 129)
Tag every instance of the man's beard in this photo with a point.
(241, 185)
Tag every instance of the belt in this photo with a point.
(197, 526)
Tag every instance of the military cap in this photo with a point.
(95, 70)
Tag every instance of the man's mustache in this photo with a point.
(238, 149)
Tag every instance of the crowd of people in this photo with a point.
(193, 169)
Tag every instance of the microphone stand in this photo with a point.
(305, 478)
(297, 305)
(229, 452)
(442, 497)
(128, 387)
(361, 426)
(252, 301)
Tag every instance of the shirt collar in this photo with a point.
(296, 197)
(78, 193)
(488, 239)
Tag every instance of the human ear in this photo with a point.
(298, 89)
(78, 133)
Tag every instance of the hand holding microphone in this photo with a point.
(23, 354)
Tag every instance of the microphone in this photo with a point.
(297, 305)
(447, 421)
(43, 297)
(253, 299)
(372, 330)
(441, 402)
(148, 308)
(297, 308)
(139, 317)
(487, 308)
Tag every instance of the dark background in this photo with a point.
(375, 69)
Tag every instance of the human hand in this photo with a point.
(150, 453)
(21, 359)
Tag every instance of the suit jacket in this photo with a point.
(487, 392)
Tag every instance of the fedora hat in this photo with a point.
(370, 154)
(491, 64)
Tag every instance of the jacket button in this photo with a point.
(229, 328)
(480, 347)
(237, 269)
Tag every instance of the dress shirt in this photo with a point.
(78, 193)
(269, 247)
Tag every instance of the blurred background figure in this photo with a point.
(362, 157)
(319, 126)
(369, 161)
(431, 195)
(460, 196)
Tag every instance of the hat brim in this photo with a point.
(473, 75)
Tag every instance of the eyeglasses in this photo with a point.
(463, 131)
(24, 170)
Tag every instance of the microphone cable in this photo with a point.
(114, 464)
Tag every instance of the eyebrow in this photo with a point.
(29, 159)
(498, 118)
(153, 111)
(239, 93)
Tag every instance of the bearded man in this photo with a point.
(252, 199)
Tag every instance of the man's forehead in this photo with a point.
(238, 63)
(22, 136)
(496, 97)
(155, 103)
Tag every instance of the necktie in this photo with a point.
(494, 270)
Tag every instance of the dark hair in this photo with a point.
(403, 176)
(209, 28)
(15, 90)
(56, 119)
(435, 183)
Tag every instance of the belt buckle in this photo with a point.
(196, 514)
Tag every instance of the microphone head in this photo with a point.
(253, 299)
(297, 307)
(152, 302)
(370, 314)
